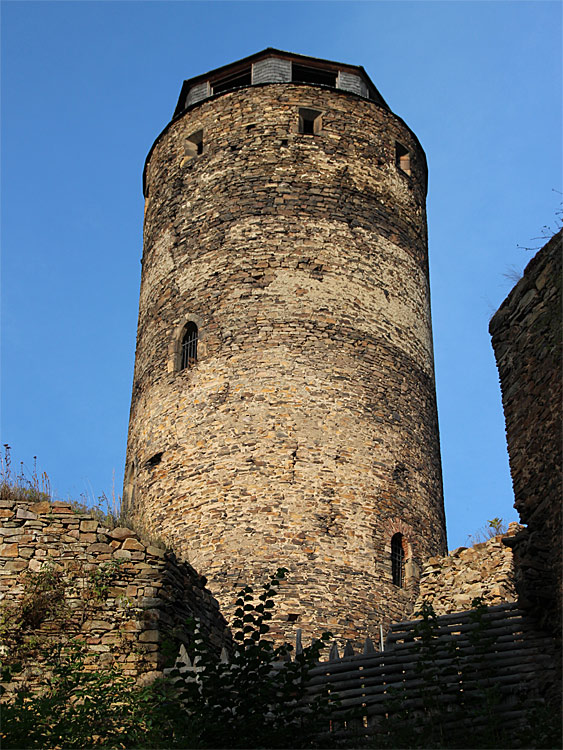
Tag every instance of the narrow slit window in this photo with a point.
(194, 144)
(188, 353)
(398, 560)
(402, 158)
(309, 121)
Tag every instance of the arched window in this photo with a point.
(398, 560)
(188, 350)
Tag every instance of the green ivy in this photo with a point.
(254, 700)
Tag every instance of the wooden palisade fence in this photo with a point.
(461, 670)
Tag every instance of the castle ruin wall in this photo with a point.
(526, 337)
(485, 571)
(122, 596)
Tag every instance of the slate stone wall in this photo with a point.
(526, 337)
(122, 596)
(306, 434)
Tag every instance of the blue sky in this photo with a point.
(87, 87)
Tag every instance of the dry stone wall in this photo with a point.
(526, 337)
(485, 570)
(123, 597)
(306, 434)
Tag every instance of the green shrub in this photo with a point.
(253, 701)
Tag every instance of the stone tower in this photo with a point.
(284, 409)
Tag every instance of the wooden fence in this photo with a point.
(460, 669)
(463, 668)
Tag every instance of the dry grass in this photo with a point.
(32, 487)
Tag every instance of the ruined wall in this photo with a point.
(526, 337)
(120, 595)
(484, 570)
(306, 434)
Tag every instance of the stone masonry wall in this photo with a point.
(526, 337)
(122, 596)
(306, 434)
(484, 570)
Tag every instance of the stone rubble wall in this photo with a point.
(144, 602)
(485, 570)
(526, 338)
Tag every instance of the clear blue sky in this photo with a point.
(87, 87)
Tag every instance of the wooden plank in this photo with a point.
(463, 641)
(493, 626)
(464, 660)
(507, 607)
(375, 684)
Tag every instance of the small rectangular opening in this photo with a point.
(308, 127)
(233, 81)
(309, 121)
(304, 74)
(194, 144)
(154, 460)
(402, 158)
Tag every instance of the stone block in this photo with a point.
(121, 533)
(9, 550)
(14, 565)
(26, 514)
(156, 551)
(149, 601)
(62, 509)
(98, 547)
(41, 508)
(149, 636)
(132, 626)
(122, 554)
(101, 625)
(89, 525)
(133, 544)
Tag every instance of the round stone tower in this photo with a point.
(284, 409)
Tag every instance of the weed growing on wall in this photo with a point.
(495, 527)
(44, 599)
(257, 697)
(76, 708)
(26, 485)
(22, 485)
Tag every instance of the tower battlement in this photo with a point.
(276, 66)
